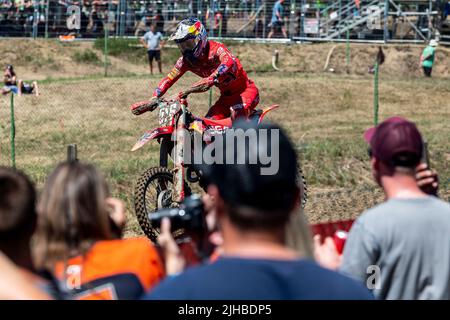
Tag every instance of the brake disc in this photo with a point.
(164, 199)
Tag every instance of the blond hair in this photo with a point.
(72, 213)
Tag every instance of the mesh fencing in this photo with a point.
(94, 114)
(326, 19)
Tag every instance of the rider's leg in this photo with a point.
(158, 59)
(19, 87)
(250, 99)
(150, 60)
(243, 104)
(36, 88)
(221, 109)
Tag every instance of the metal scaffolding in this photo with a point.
(304, 20)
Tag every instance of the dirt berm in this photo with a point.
(41, 59)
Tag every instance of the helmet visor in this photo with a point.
(187, 45)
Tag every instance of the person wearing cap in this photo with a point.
(252, 211)
(427, 58)
(400, 248)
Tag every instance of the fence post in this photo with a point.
(347, 49)
(375, 95)
(105, 60)
(264, 19)
(72, 153)
(210, 98)
(47, 4)
(117, 17)
(35, 18)
(220, 28)
(385, 27)
(13, 132)
(339, 18)
(302, 19)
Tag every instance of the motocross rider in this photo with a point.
(216, 65)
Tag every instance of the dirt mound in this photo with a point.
(40, 59)
(401, 60)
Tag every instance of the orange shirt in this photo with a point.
(112, 269)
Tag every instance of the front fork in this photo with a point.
(178, 171)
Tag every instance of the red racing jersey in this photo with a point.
(216, 63)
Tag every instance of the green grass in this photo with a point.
(324, 115)
(131, 50)
(86, 56)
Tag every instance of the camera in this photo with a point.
(190, 215)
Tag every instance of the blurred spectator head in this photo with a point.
(17, 204)
(395, 146)
(153, 28)
(72, 213)
(17, 211)
(10, 68)
(250, 199)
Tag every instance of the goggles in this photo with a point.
(187, 45)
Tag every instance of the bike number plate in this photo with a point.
(166, 113)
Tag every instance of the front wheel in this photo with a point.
(153, 192)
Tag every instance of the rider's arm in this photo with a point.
(177, 71)
(142, 40)
(227, 67)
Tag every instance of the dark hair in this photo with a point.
(10, 67)
(17, 205)
(405, 160)
(72, 213)
(255, 200)
(250, 218)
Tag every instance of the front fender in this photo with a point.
(265, 111)
(152, 134)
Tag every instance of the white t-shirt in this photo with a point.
(152, 40)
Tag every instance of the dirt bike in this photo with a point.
(163, 187)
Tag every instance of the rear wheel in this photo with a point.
(153, 191)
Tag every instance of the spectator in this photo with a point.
(12, 84)
(142, 25)
(14, 285)
(252, 212)
(17, 224)
(96, 24)
(220, 24)
(25, 88)
(277, 22)
(152, 41)
(78, 238)
(158, 20)
(9, 80)
(427, 58)
(408, 236)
